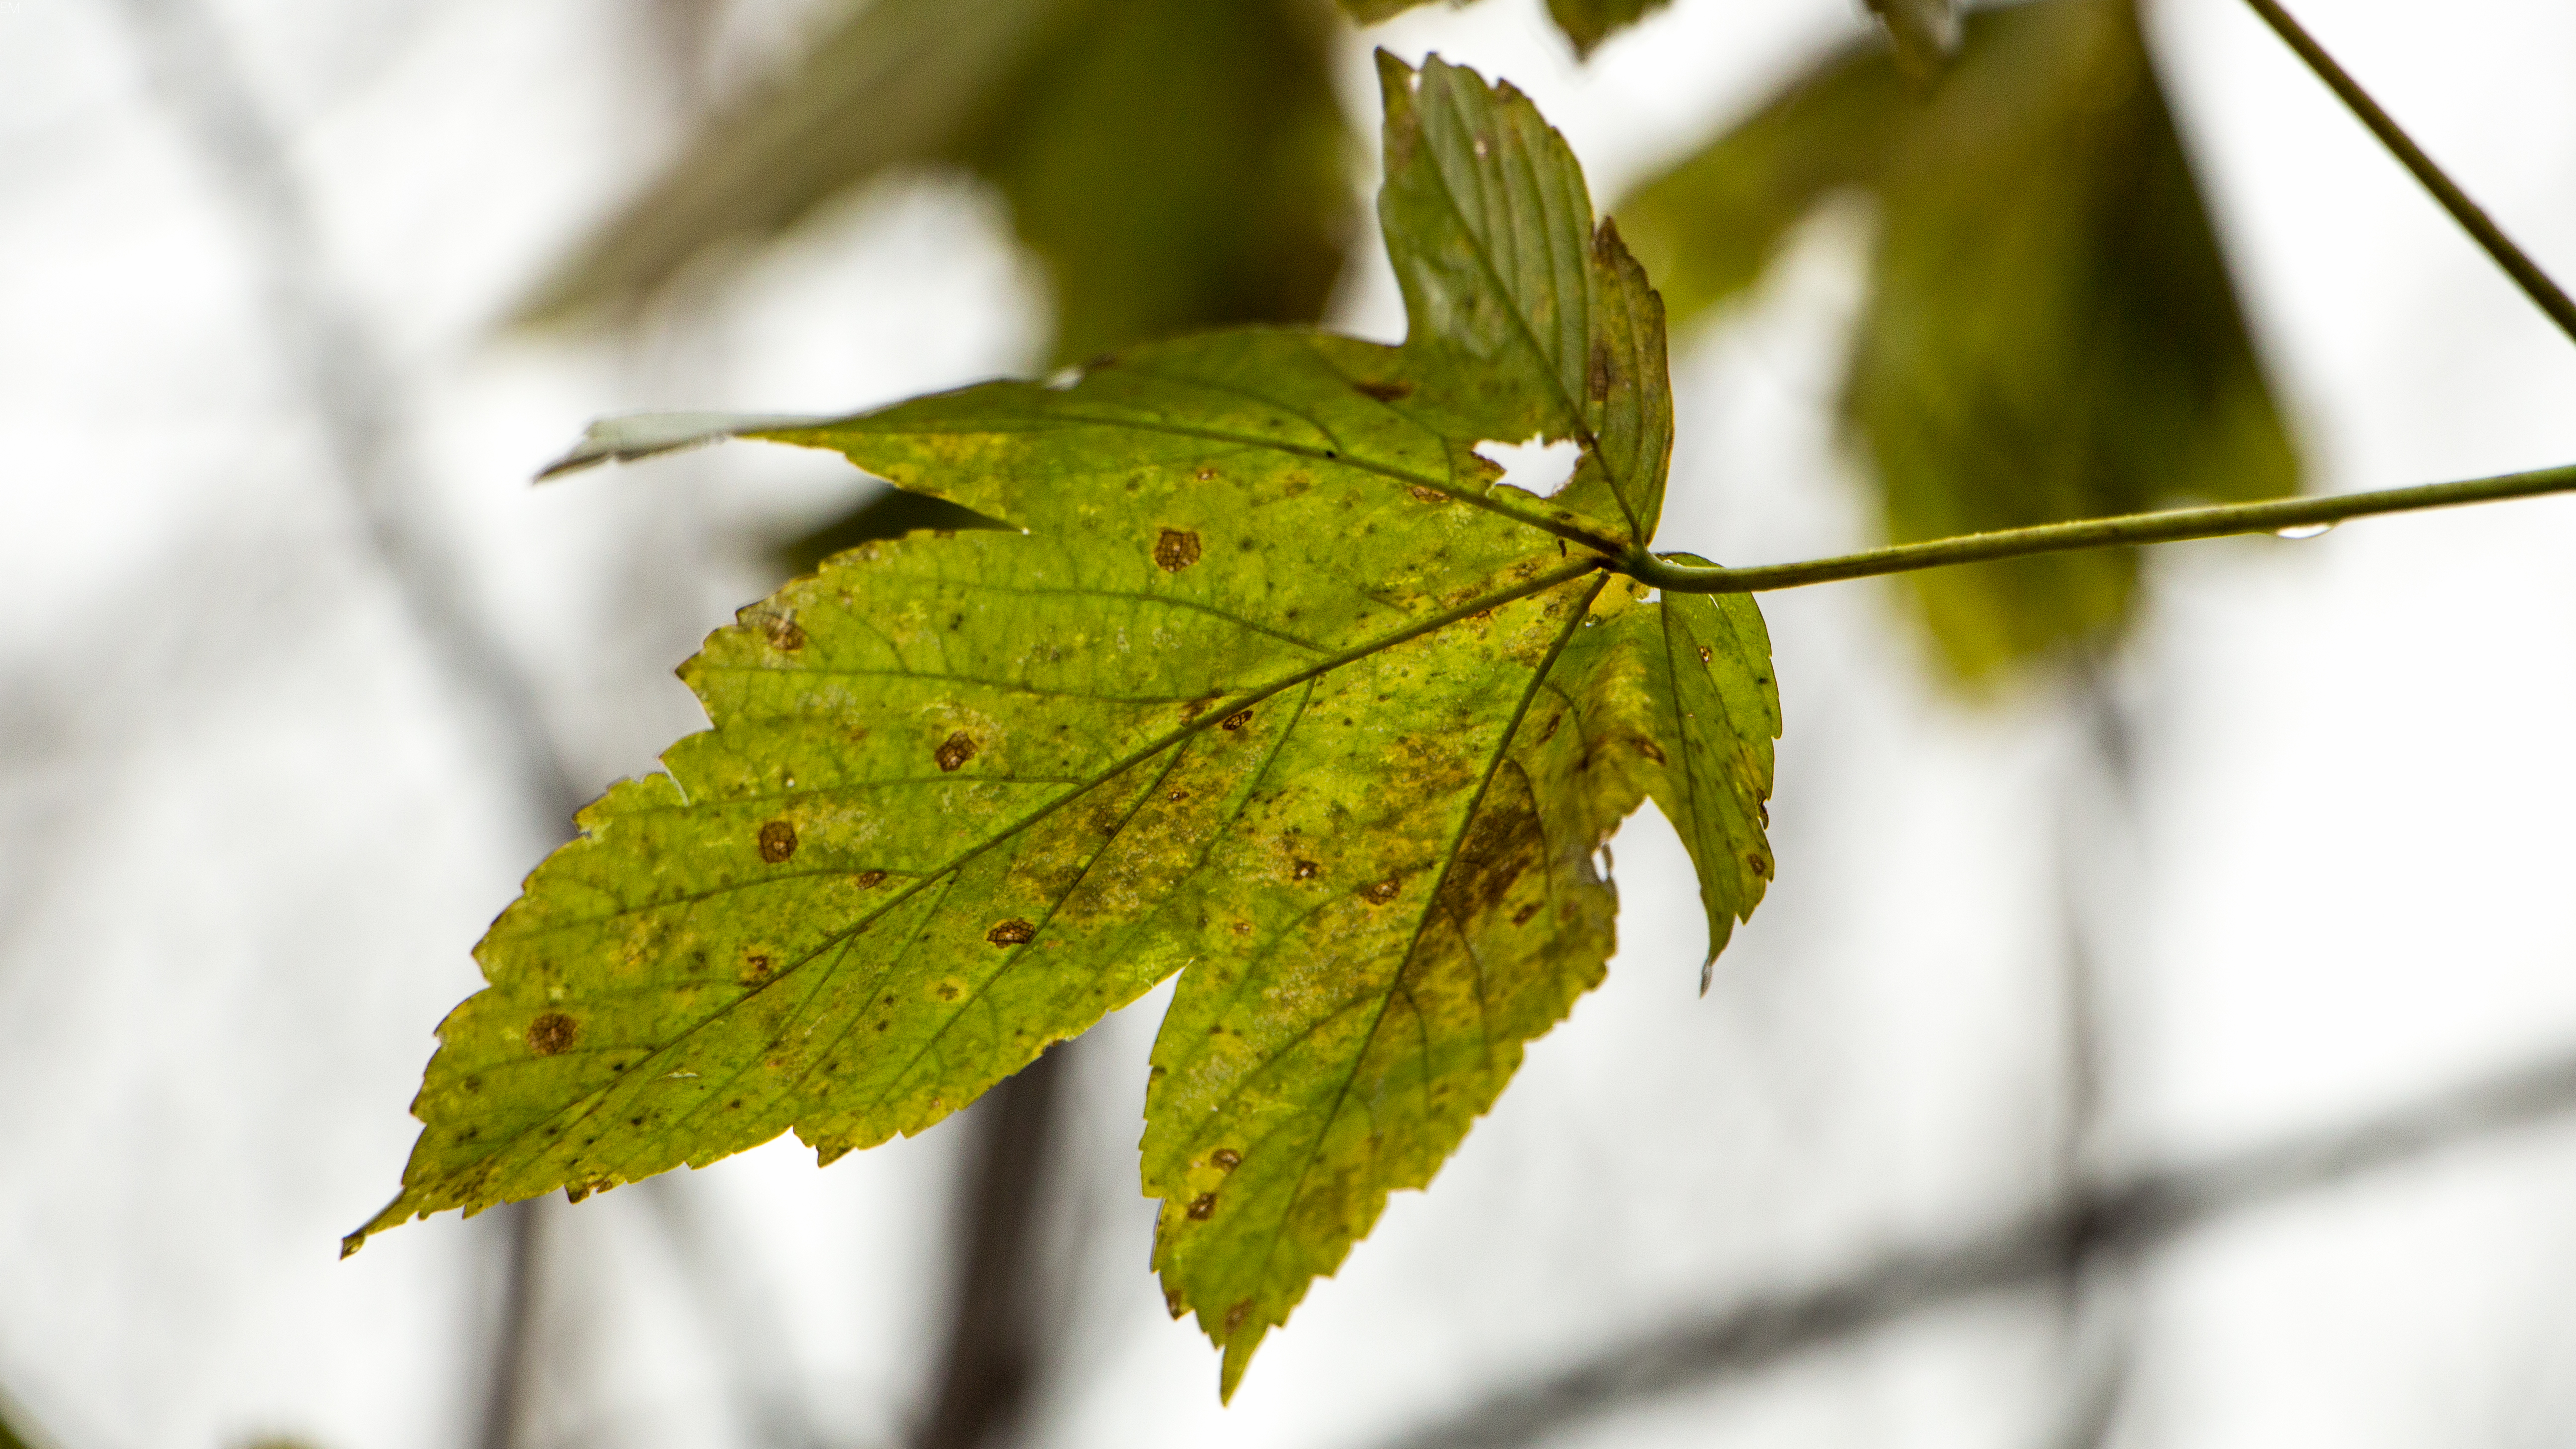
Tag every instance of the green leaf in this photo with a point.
(1270, 683)
(1173, 164)
(2052, 332)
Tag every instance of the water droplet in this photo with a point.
(2305, 530)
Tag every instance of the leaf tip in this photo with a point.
(1238, 1357)
(644, 435)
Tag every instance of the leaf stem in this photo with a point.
(2170, 526)
(2534, 282)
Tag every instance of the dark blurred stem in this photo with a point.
(2129, 1217)
(348, 388)
(1000, 1338)
(506, 1391)
(2170, 526)
(2526, 273)
(2094, 1290)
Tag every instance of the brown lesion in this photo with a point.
(1013, 932)
(1385, 392)
(1175, 549)
(1235, 721)
(1503, 842)
(553, 1034)
(777, 841)
(783, 633)
(1203, 1207)
(954, 751)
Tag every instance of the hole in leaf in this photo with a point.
(1536, 466)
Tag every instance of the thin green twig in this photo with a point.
(2132, 528)
(2534, 282)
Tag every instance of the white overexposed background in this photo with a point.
(251, 821)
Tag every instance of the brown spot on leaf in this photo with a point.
(1383, 891)
(1650, 749)
(553, 1034)
(868, 879)
(1504, 840)
(1234, 1316)
(1178, 795)
(1175, 550)
(1236, 720)
(777, 841)
(1226, 1158)
(1706, 654)
(1601, 370)
(1428, 495)
(955, 750)
(1304, 870)
(1521, 916)
(755, 968)
(783, 634)
(1205, 474)
(1384, 391)
(1243, 928)
(1013, 932)
(1203, 1207)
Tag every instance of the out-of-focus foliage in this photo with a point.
(1174, 164)
(1270, 681)
(1924, 33)
(1585, 22)
(2052, 332)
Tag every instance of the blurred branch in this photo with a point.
(2518, 264)
(506, 1393)
(348, 388)
(2131, 1217)
(998, 1341)
(345, 383)
(2096, 1287)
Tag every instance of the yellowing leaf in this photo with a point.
(2052, 333)
(1269, 682)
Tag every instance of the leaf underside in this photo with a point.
(1269, 683)
(2052, 332)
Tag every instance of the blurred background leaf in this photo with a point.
(1585, 22)
(1924, 34)
(1172, 165)
(2052, 332)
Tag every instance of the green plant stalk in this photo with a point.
(2169, 526)
(2534, 282)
